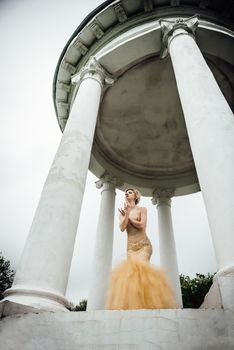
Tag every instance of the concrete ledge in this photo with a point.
(137, 329)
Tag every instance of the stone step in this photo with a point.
(120, 330)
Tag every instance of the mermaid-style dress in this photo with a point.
(136, 284)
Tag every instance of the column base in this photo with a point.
(22, 300)
(221, 293)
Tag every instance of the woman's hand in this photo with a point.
(127, 206)
(126, 209)
(122, 211)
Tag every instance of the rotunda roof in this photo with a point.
(141, 136)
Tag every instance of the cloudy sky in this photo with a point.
(32, 35)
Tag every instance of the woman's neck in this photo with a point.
(132, 203)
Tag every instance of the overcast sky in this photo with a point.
(32, 35)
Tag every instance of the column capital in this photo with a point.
(93, 70)
(108, 182)
(162, 195)
(172, 28)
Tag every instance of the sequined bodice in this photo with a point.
(140, 249)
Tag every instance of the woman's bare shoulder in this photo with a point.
(142, 209)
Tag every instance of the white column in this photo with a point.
(104, 244)
(167, 248)
(42, 275)
(210, 125)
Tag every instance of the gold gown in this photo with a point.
(136, 284)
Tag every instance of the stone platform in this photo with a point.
(138, 329)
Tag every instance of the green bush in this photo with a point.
(80, 307)
(6, 275)
(195, 289)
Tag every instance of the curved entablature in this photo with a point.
(111, 19)
(126, 39)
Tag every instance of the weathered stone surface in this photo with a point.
(123, 330)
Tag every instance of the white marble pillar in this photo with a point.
(104, 244)
(210, 125)
(42, 275)
(167, 248)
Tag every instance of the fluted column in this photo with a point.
(167, 248)
(42, 275)
(210, 125)
(104, 244)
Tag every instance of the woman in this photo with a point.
(135, 283)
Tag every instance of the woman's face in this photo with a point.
(130, 194)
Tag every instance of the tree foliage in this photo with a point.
(80, 307)
(195, 289)
(6, 275)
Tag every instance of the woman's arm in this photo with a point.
(124, 216)
(123, 222)
(141, 224)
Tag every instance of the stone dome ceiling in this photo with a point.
(141, 135)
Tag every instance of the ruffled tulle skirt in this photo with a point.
(136, 284)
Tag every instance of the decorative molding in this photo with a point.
(96, 29)
(140, 14)
(164, 192)
(93, 70)
(172, 28)
(63, 104)
(63, 121)
(162, 195)
(80, 47)
(30, 292)
(69, 67)
(63, 86)
(148, 5)
(120, 13)
(108, 182)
